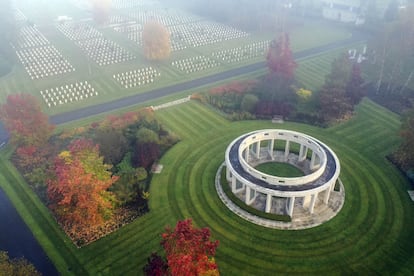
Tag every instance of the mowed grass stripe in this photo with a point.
(190, 116)
(182, 129)
(137, 243)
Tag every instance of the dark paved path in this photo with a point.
(157, 93)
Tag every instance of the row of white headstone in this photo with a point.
(43, 61)
(194, 64)
(219, 30)
(167, 17)
(78, 30)
(68, 93)
(30, 36)
(129, 28)
(104, 51)
(137, 77)
(242, 53)
(204, 33)
(18, 15)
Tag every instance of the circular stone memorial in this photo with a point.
(309, 200)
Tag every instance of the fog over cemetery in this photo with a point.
(178, 137)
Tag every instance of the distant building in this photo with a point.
(347, 11)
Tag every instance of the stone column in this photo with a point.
(246, 154)
(271, 146)
(268, 203)
(250, 195)
(313, 160)
(326, 196)
(253, 196)
(312, 204)
(291, 205)
(247, 198)
(233, 184)
(228, 173)
(287, 149)
(306, 201)
(258, 150)
(302, 153)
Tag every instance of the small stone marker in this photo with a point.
(157, 168)
(411, 194)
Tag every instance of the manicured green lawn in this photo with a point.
(279, 169)
(371, 235)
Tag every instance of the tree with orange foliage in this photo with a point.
(27, 125)
(78, 192)
(156, 41)
(101, 10)
(189, 250)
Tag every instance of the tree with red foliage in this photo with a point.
(189, 250)
(146, 154)
(78, 192)
(280, 59)
(354, 89)
(147, 149)
(27, 125)
(156, 266)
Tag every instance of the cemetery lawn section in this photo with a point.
(70, 51)
(372, 234)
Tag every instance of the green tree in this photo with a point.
(16, 267)
(249, 102)
(131, 182)
(113, 145)
(333, 100)
(405, 152)
(146, 135)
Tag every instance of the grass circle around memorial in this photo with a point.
(279, 169)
